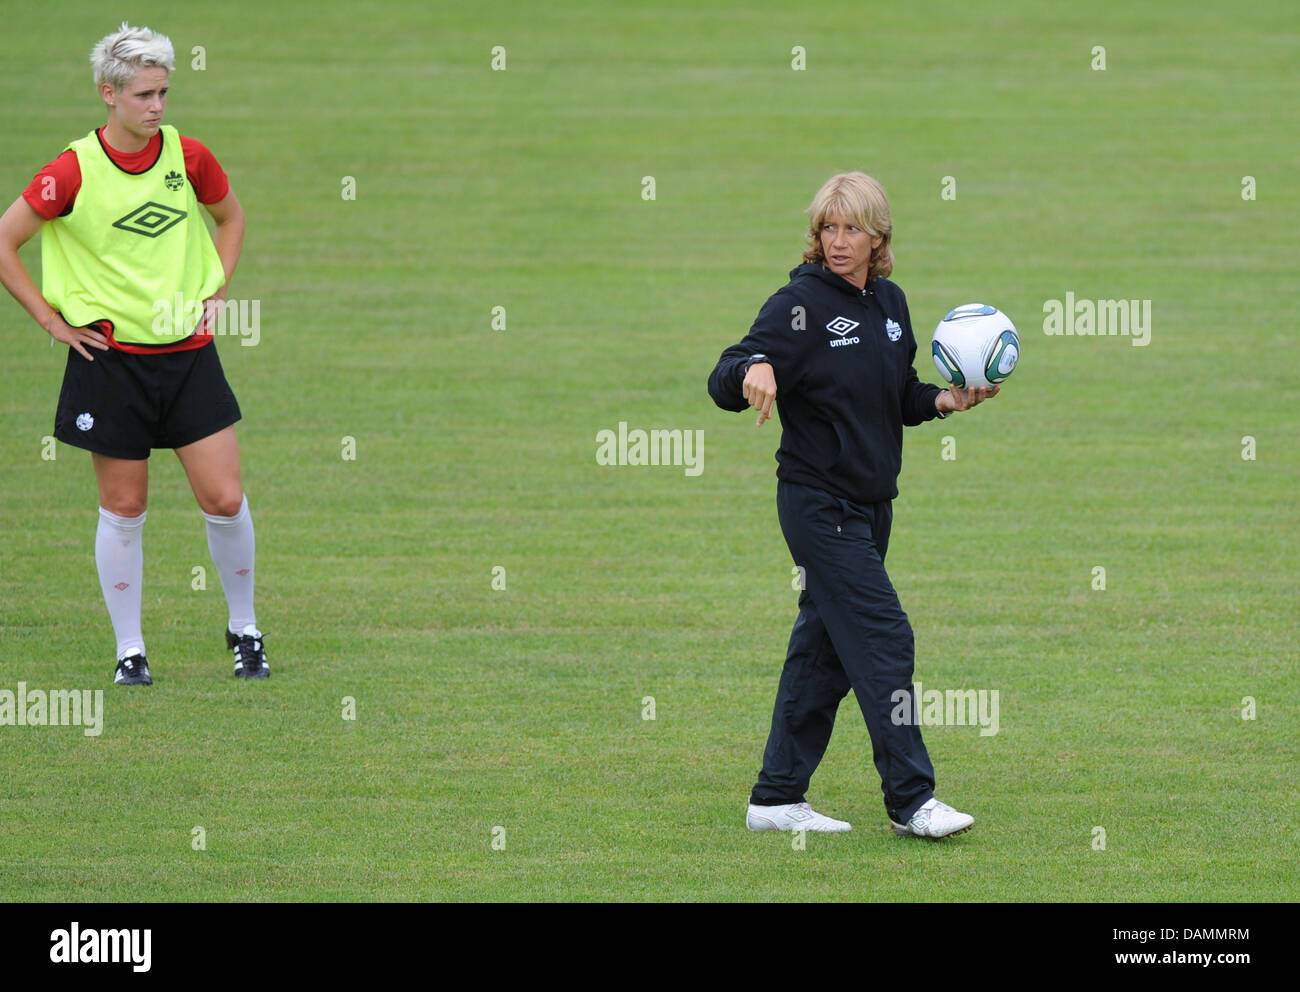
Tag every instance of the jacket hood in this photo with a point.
(818, 270)
(876, 286)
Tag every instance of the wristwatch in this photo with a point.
(754, 360)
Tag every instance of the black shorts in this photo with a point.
(124, 405)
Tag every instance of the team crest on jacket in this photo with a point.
(893, 329)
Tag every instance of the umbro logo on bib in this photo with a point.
(150, 219)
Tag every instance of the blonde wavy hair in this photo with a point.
(860, 199)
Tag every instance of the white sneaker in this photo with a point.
(793, 816)
(935, 820)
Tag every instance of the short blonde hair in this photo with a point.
(118, 56)
(861, 200)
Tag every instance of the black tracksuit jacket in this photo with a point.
(845, 385)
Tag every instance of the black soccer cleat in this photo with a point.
(132, 670)
(250, 655)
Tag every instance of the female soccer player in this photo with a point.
(131, 275)
(837, 342)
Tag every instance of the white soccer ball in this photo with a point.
(975, 345)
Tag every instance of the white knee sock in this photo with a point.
(119, 556)
(230, 541)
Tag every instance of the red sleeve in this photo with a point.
(205, 172)
(52, 192)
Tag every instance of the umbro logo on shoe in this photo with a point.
(934, 820)
(792, 816)
(842, 326)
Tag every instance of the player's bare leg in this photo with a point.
(119, 558)
(212, 466)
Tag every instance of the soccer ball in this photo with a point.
(975, 345)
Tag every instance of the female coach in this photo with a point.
(837, 343)
(121, 242)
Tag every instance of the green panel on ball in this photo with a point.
(947, 365)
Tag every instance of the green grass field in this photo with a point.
(522, 708)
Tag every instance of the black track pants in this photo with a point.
(851, 633)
